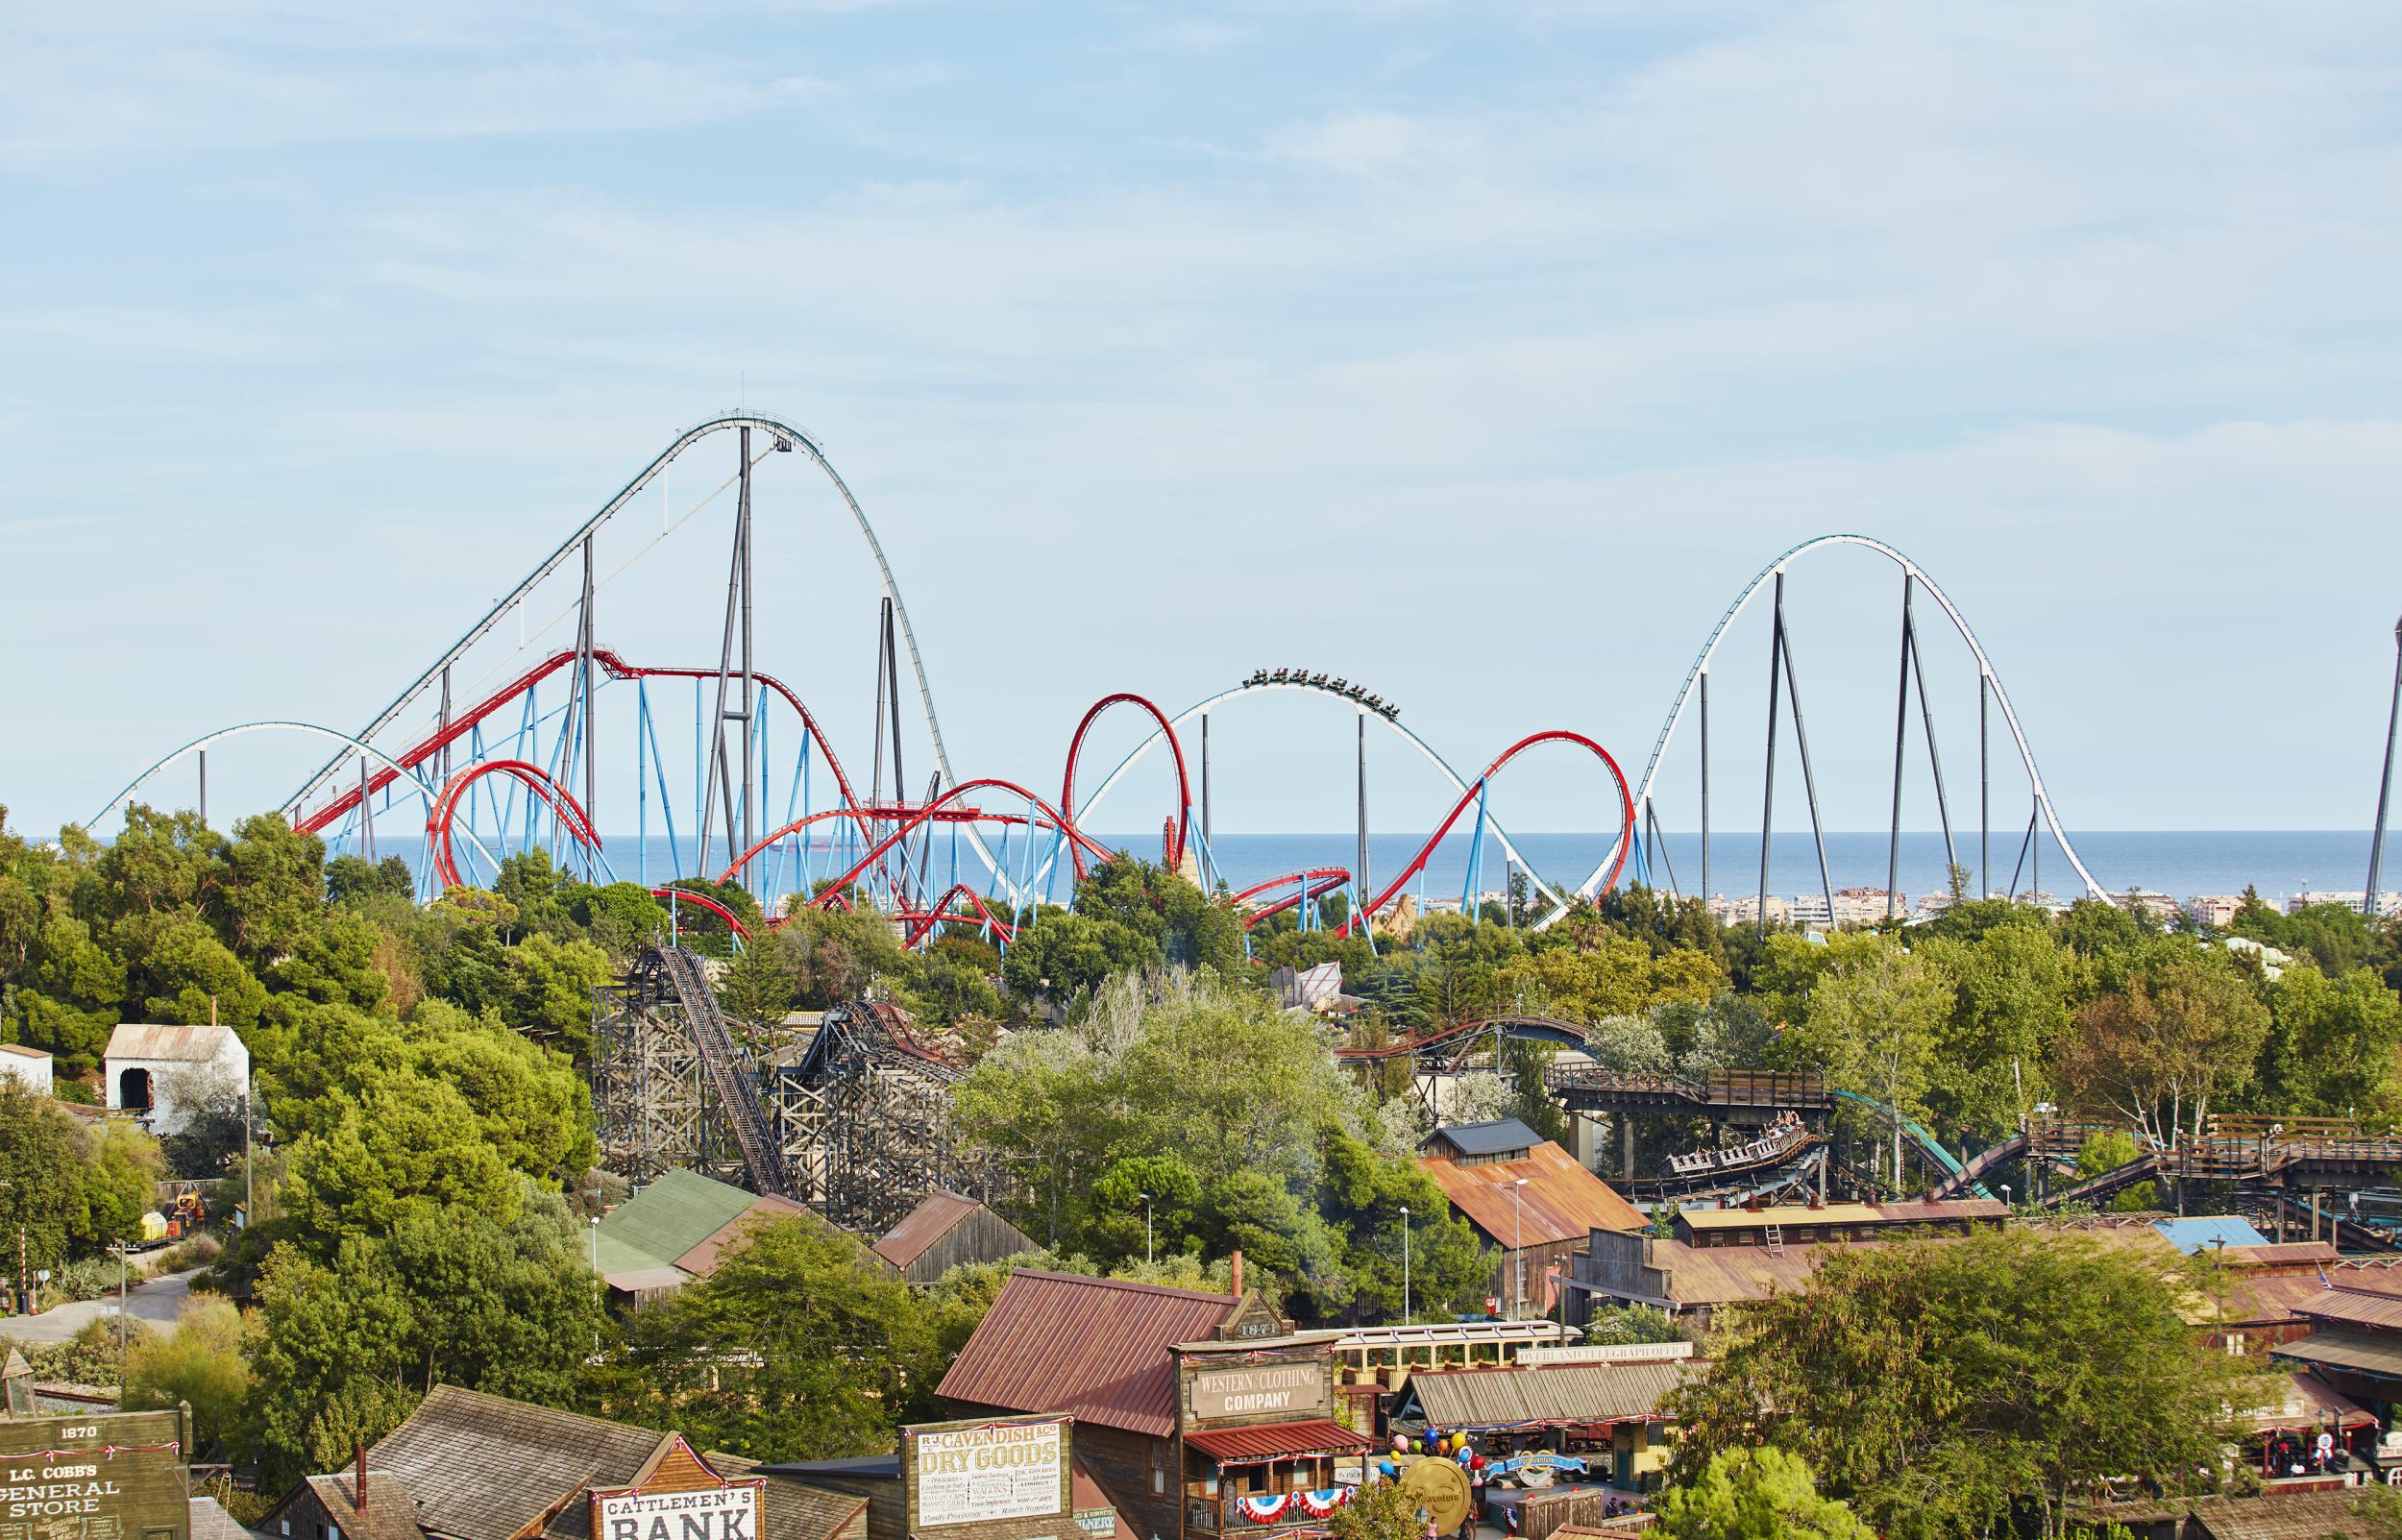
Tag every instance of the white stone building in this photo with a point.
(30, 1067)
(159, 1071)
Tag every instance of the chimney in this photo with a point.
(359, 1486)
(1237, 1278)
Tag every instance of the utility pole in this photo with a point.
(204, 788)
(2385, 782)
(1146, 1230)
(1405, 1264)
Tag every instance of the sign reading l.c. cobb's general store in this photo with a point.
(112, 1476)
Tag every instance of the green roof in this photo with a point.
(666, 1219)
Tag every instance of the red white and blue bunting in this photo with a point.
(1269, 1508)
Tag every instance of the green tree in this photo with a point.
(1754, 1494)
(1955, 1389)
(2182, 1029)
(2011, 987)
(551, 986)
(759, 984)
(2332, 1043)
(1872, 1023)
(798, 1347)
(42, 1175)
(202, 1362)
(403, 1143)
(2107, 1149)
(450, 1295)
(1380, 1510)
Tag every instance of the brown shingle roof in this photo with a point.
(795, 1508)
(926, 1224)
(1095, 1348)
(1561, 1200)
(390, 1514)
(211, 1522)
(485, 1468)
(2281, 1516)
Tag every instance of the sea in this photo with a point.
(2182, 863)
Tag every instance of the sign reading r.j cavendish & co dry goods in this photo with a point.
(1260, 1390)
(974, 1473)
(112, 1476)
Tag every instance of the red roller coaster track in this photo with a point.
(536, 781)
(1175, 850)
(1476, 789)
(685, 895)
(467, 720)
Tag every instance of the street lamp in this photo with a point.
(1518, 1248)
(1405, 1264)
(1146, 1230)
(596, 1283)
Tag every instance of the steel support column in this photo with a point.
(1706, 786)
(204, 788)
(1206, 833)
(588, 721)
(1984, 791)
(1809, 780)
(1900, 730)
(2385, 782)
(1768, 789)
(1365, 891)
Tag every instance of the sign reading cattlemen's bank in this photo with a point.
(684, 1499)
(978, 1472)
(110, 1475)
(1276, 1389)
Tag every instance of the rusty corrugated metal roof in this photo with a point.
(924, 1225)
(1278, 1441)
(1518, 1395)
(2383, 1311)
(1095, 1348)
(1561, 1200)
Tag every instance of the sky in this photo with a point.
(1480, 353)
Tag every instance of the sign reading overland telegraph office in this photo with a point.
(1277, 1388)
(978, 1472)
(107, 1475)
(682, 1498)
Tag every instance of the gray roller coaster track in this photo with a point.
(1959, 622)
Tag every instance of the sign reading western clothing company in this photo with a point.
(974, 1473)
(113, 1475)
(1260, 1390)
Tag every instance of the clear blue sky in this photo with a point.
(1477, 352)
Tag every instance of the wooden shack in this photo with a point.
(947, 1230)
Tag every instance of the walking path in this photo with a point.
(155, 1300)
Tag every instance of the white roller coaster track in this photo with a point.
(425, 791)
(1559, 904)
(1959, 622)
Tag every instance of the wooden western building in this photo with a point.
(1199, 1415)
(1529, 1201)
(1257, 1435)
(1097, 1350)
(982, 1479)
(468, 1466)
(947, 1230)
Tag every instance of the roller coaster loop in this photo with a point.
(1184, 785)
(536, 780)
